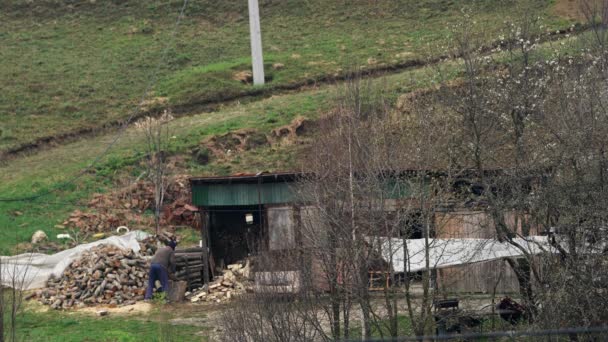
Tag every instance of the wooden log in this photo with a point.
(189, 269)
(188, 253)
(194, 264)
(190, 277)
(188, 266)
(177, 291)
(188, 257)
(190, 274)
(189, 250)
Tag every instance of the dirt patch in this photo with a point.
(36, 306)
(226, 145)
(137, 308)
(245, 77)
(572, 9)
(293, 132)
(408, 102)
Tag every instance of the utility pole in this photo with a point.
(257, 60)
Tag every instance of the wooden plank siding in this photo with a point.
(475, 225)
(463, 225)
(281, 227)
(478, 277)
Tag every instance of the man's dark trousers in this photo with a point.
(157, 272)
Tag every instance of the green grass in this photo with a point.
(404, 327)
(69, 66)
(188, 237)
(35, 173)
(32, 174)
(381, 330)
(64, 327)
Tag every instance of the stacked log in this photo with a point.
(148, 246)
(189, 266)
(103, 275)
(233, 282)
(189, 261)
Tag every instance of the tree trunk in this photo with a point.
(523, 272)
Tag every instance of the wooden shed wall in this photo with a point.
(281, 227)
(474, 224)
(461, 225)
(478, 277)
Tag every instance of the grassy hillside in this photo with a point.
(38, 172)
(76, 65)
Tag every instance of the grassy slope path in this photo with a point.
(34, 173)
(69, 67)
(31, 174)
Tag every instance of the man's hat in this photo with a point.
(172, 243)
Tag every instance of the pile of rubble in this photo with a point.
(233, 282)
(127, 207)
(103, 275)
(103, 220)
(179, 213)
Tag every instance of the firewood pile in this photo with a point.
(148, 246)
(189, 261)
(189, 266)
(103, 275)
(234, 281)
(126, 207)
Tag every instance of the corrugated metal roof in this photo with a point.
(276, 188)
(241, 194)
(244, 189)
(248, 178)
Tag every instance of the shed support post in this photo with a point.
(204, 217)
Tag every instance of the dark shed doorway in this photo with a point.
(235, 232)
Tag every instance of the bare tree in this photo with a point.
(529, 132)
(156, 131)
(370, 183)
(13, 279)
(541, 121)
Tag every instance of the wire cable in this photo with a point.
(151, 81)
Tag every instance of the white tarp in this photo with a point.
(452, 252)
(31, 270)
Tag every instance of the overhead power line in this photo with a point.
(151, 81)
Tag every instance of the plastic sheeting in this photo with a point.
(452, 252)
(32, 270)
